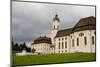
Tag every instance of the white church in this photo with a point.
(80, 38)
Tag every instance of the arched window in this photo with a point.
(93, 40)
(66, 44)
(85, 40)
(59, 45)
(77, 41)
(62, 45)
(72, 42)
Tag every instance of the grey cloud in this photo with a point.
(30, 20)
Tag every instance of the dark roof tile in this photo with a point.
(42, 40)
(64, 32)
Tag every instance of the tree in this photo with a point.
(28, 49)
(24, 45)
(33, 50)
(21, 47)
(16, 46)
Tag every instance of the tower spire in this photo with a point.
(55, 27)
(56, 18)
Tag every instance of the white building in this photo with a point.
(43, 45)
(80, 38)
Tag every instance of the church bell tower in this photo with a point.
(55, 27)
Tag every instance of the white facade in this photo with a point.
(78, 41)
(43, 48)
(68, 44)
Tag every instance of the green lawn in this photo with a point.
(53, 58)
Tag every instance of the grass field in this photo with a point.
(53, 58)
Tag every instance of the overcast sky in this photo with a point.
(30, 20)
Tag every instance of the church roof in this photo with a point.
(64, 32)
(88, 23)
(42, 40)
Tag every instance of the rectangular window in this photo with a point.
(59, 39)
(65, 38)
(72, 42)
(62, 45)
(59, 45)
(62, 38)
(77, 41)
(85, 40)
(65, 44)
(93, 40)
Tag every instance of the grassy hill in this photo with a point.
(53, 58)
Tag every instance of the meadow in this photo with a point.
(53, 58)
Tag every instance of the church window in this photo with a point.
(72, 42)
(65, 44)
(77, 41)
(71, 36)
(59, 39)
(81, 34)
(93, 40)
(59, 45)
(62, 38)
(62, 45)
(85, 40)
(65, 38)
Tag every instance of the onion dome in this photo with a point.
(56, 18)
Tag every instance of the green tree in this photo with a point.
(21, 47)
(28, 49)
(24, 45)
(33, 50)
